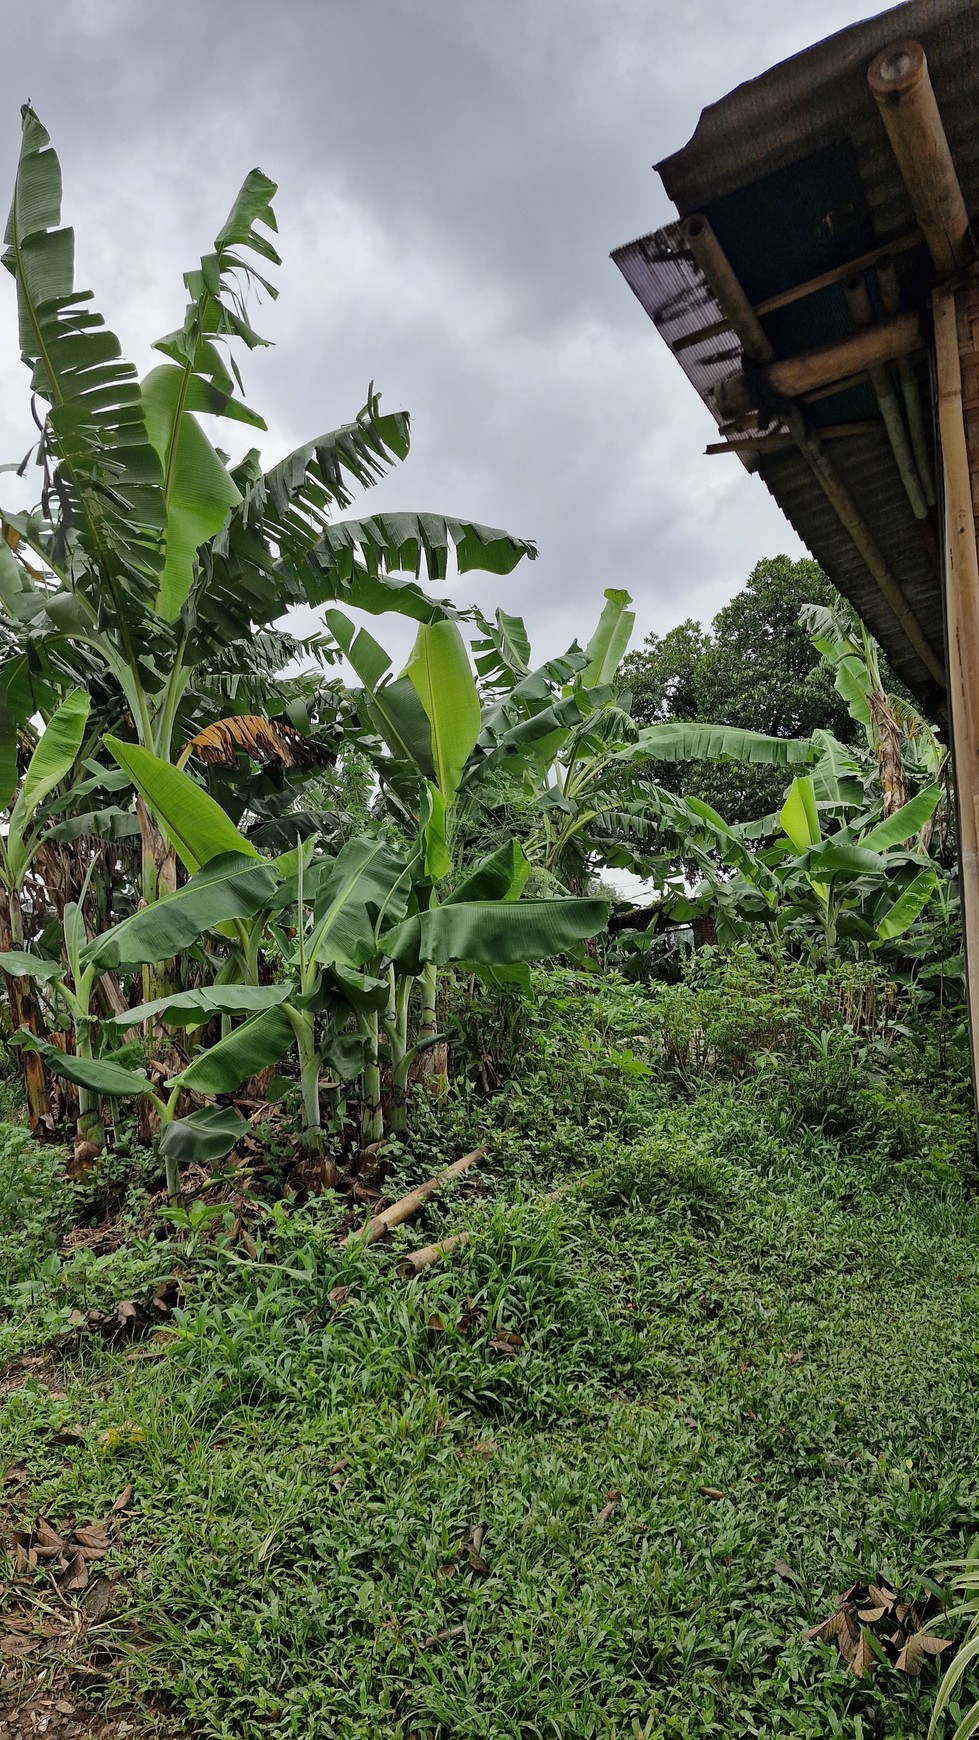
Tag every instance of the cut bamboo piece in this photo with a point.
(417, 1261)
(406, 1206)
(861, 313)
(902, 90)
(953, 342)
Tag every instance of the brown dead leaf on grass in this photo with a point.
(505, 1341)
(611, 1500)
(873, 1623)
(785, 1571)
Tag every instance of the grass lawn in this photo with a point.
(593, 1476)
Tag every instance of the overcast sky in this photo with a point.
(452, 176)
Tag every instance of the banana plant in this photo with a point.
(151, 566)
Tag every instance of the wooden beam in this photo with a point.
(797, 292)
(957, 350)
(726, 286)
(902, 90)
(793, 375)
(771, 443)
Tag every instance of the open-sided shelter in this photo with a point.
(820, 290)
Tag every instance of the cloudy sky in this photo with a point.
(452, 176)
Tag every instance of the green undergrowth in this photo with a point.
(553, 1487)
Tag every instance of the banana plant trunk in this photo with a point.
(24, 1013)
(371, 1106)
(159, 877)
(433, 1062)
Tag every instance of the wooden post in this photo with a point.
(956, 313)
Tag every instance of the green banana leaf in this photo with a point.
(399, 542)
(345, 1055)
(698, 742)
(206, 1135)
(367, 888)
(799, 817)
(259, 1042)
(192, 1008)
(196, 826)
(22, 965)
(492, 933)
(53, 758)
(108, 824)
(904, 823)
(232, 885)
(199, 493)
(109, 1080)
(605, 650)
(501, 876)
(908, 906)
(441, 674)
(110, 474)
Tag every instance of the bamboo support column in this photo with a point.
(956, 313)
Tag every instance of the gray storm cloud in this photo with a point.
(452, 176)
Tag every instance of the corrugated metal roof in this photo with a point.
(796, 175)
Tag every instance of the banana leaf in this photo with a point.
(206, 1135)
(196, 826)
(608, 643)
(109, 1080)
(22, 965)
(192, 1008)
(232, 885)
(367, 888)
(255, 1045)
(53, 758)
(904, 823)
(491, 933)
(441, 674)
(908, 906)
(501, 876)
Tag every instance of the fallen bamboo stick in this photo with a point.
(408, 1205)
(416, 1262)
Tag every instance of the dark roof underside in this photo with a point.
(796, 175)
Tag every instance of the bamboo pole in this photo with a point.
(829, 363)
(890, 296)
(902, 89)
(406, 1206)
(861, 313)
(723, 282)
(773, 443)
(962, 614)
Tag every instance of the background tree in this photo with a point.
(756, 668)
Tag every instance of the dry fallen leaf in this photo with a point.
(917, 1650)
(611, 1500)
(436, 1324)
(794, 1358)
(95, 1536)
(785, 1571)
(121, 1502)
(16, 1474)
(862, 1659)
(13, 1645)
(76, 1576)
(711, 1492)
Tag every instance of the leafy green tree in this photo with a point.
(755, 668)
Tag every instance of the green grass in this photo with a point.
(767, 1288)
